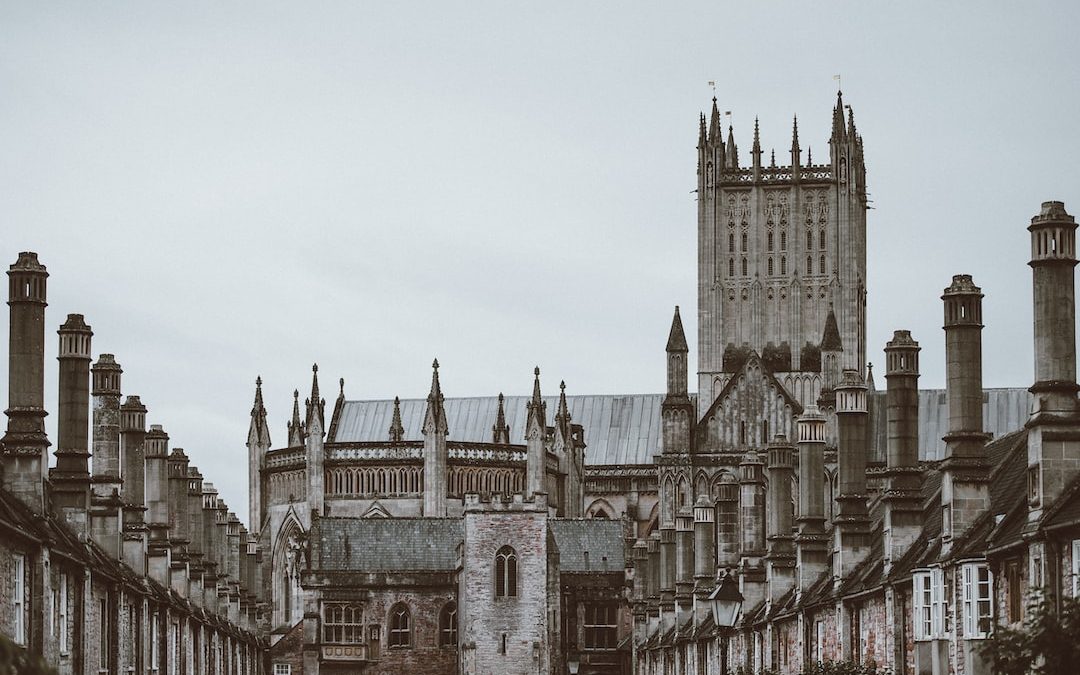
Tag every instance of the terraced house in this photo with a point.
(131, 564)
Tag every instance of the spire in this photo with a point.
(702, 138)
(715, 131)
(772, 158)
(809, 156)
(732, 151)
(830, 340)
(500, 433)
(315, 404)
(756, 151)
(259, 432)
(676, 341)
(296, 428)
(537, 409)
(795, 136)
(838, 130)
(870, 378)
(435, 417)
(562, 416)
(397, 432)
(852, 134)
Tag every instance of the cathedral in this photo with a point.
(787, 512)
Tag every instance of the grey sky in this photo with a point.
(232, 189)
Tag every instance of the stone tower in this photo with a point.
(777, 245)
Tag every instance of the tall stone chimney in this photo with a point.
(132, 439)
(704, 553)
(684, 562)
(179, 520)
(728, 544)
(71, 477)
(811, 542)
(781, 549)
(106, 390)
(1054, 427)
(903, 502)
(157, 501)
(752, 515)
(852, 524)
(667, 574)
(25, 444)
(965, 470)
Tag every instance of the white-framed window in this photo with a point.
(601, 626)
(282, 669)
(62, 613)
(154, 646)
(19, 594)
(976, 593)
(819, 641)
(928, 604)
(1076, 568)
(343, 624)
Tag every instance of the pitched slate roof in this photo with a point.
(589, 545)
(619, 429)
(388, 544)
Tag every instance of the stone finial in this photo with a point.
(397, 431)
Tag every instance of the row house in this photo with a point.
(118, 559)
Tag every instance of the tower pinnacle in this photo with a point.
(397, 431)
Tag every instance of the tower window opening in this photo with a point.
(809, 238)
(783, 265)
(764, 431)
(742, 242)
(731, 267)
(742, 432)
(770, 267)
(744, 267)
(731, 242)
(506, 573)
(770, 238)
(809, 265)
(783, 241)
(821, 265)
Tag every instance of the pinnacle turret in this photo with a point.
(296, 427)
(755, 152)
(315, 404)
(795, 136)
(715, 131)
(397, 431)
(435, 417)
(676, 341)
(830, 339)
(562, 415)
(500, 433)
(732, 150)
(537, 409)
(259, 431)
(702, 137)
(839, 133)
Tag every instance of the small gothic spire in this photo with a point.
(397, 431)
(715, 130)
(809, 156)
(702, 137)
(259, 433)
(500, 433)
(258, 395)
(315, 404)
(795, 135)
(435, 417)
(537, 409)
(870, 378)
(296, 428)
(676, 341)
(732, 150)
(838, 131)
(755, 152)
(772, 158)
(851, 123)
(341, 385)
(830, 340)
(562, 416)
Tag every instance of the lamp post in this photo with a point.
(726, 602)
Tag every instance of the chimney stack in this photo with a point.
(781, 555)
(727, 522)
(965, 470)
(156, 447)
(1054, 427)
(71, 477)
(852, 529)
(752, 514)
(25, 444)
(132, 439)
(811, 543)
(903, 500)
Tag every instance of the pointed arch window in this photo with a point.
(400, 633)
(770, 238)
(821, 265)
(731, 267)
(731, 242)
(809, 239)
(744, 267)
(809, 265)
(783, 264)
(821, 239)
(506, 573)
(448, 625)
(770, 267)
(783, 240)
(743, 242)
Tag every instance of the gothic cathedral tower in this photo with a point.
(778, 248)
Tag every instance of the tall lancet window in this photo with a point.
(506, 573)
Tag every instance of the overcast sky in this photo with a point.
(229, 189)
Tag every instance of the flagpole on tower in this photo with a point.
(839, 87)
